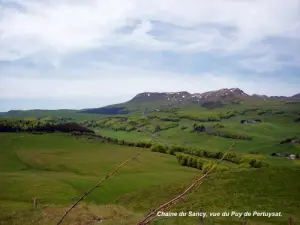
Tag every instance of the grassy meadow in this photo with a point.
(57, 168)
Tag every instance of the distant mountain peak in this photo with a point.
(221, 93)
(163, 96)
(296, 96)
(224, 96)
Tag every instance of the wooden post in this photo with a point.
(34, 202)
(244, 220)
(291, 221)
(201, 219)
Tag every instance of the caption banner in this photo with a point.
(219, 214)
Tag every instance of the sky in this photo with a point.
(81, 54)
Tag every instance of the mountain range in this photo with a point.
(151, 101)
(210, 99)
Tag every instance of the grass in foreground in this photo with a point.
(57, 168)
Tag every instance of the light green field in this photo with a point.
(56, 168)
(124, 135)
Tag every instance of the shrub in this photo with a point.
(257, 164)
(200, 163)
(171, 151)
(159, 148)
(228, 114)
(207, 166)
(198, 128)
(182, 159)
(177, 149)
(167, 118)
(219, 155)
(190, 161)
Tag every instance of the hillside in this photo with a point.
(165, 101)
(56, 169)
(151, 101)
(57, 155)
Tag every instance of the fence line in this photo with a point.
(97, 185)
(151, 216)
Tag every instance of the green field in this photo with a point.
(57, 168)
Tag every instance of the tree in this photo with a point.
(252, 162)
(157, 128)
(190, 161)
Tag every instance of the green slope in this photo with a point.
(56, 168)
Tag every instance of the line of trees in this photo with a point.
(33, 125)
(112, 140)
(200, 119)
(198, 163)
(226, 134)
(193, 152)
(169, 118)
(112, 123)
(191, 155)
(229, 114)
(130, 124)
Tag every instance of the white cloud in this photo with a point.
(44, 41)
(65, 26)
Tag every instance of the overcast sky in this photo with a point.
(78, 54)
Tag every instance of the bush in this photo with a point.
(228, 114)
(200, 119)
(159, 148)
(200, 163)
(177, 149)
(139, 144)
(190, 161)
(182, 159)
(167, 118)
(232, 135)
(206, 167)
(262, 111)
(257, 164)
(198, 128)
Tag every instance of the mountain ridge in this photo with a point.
(209, 95)
(145, 100)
